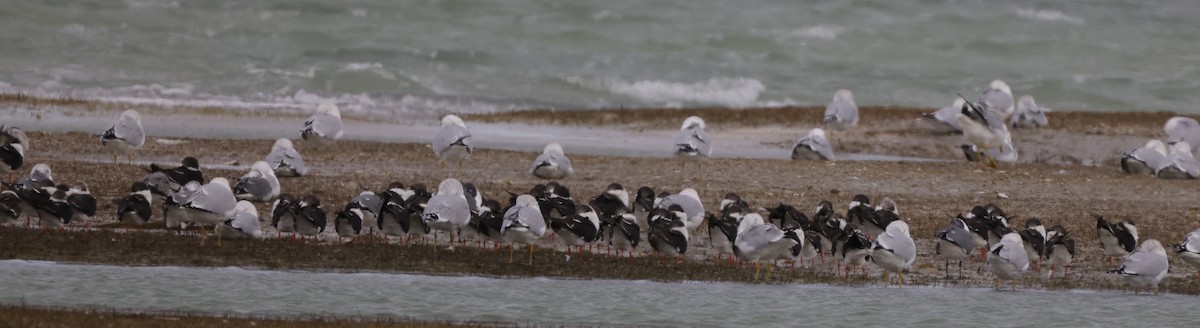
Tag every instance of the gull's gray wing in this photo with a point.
(450, 208)
(451, 134)
(256, 186)
(1144, 264)
(947, 115)
(560, 160)
(370, 201)
(818, 144)
(900, 244)
(960, 236)
(995, 99)
(1151, 157)
(246, 222)
(695, 138)
(128, 128)
(691, 207)
(214, 198)
(757, 237)
(1013, 252)
(842, 110)
(524, 216)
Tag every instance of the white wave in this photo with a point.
(1048, 15)
(606, 15)
(818, 32)
(376, 68)
(732, 92)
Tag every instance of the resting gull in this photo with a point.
(1008, 259)
(761, 242)
(448, 210)
(997, 98)
(1179, 163)
(954, 243)
(285, 160)
(259, 184)
(983, 128)
(1185, 129)
(841, 113)
(1028, 114)
(212, 204)
(324, 127)
(1145, 159)
(1189, 250)
(894, 251)
(243, 224)
(552, 163)
(814, 146)
(943, 119)
(523, 224)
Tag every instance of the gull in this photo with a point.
(1006, 153)
(579, 229)
(1179, 163)
(523, 223)
(173, 207)
(259, 184)
(1189, 250)
(1034, 240)
(841, 113)
(310, 216)
(243, 224)
(212, 204)
(1185, 129)
(1008, 259)
(135, 208)
(83, 204)
(552, 163)
(36, 187)
(943, 119)
(1060, 249)
(13, 145)
(983, 128)
(1118, 239)
(894, 251)
(1146, 267)
(364, 209)
(448, 210)
(625, 234)
(1145, 159)
(10, 206)
(452, 143)
(283, 214)
(760, 242)
(813, 147)
(1028, 114)
(324, 127)
(187, 171)
(856, 249)
(393, 215)
(668, 233)
(285, 160)
(692, 144)
(954, 243)
(126, 136)
(998, 99)
(689, 201)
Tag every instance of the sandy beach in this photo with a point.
(928, 193)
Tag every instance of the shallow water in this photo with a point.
(400, 59)
(538, 300)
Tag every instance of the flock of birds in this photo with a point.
(668, 222)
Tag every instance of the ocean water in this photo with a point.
(404, 59)
(552, 301)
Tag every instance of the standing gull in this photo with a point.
(983, 128)
(841, 114)
(285, 160)
(452, 143)
(692, 144)
(1060, 249)
(1189, 250)
(1118, 239)
(174, 214)
(1146, 267)
(1029, 115)
(943, 119)
(448, 210)
(324, 127)
(523, 224)
(259, 185)
(552, 163)
(765, 242)
(813, 147)
(1145, 159)
(211, 205)
(954, 243)
(1006, 153)
(1008, 259)
(126, 136)
(894, 251)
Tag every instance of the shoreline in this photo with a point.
(23, 315)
